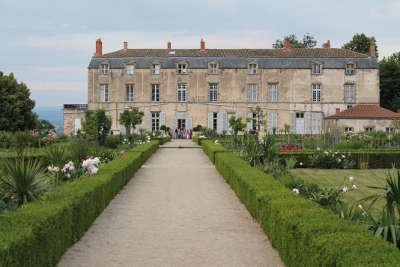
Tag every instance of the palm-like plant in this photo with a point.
(22, 180)
(56, 156)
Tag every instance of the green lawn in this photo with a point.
(333, 177)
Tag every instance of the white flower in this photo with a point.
(354, 186)
(53, 169)
(339, 160)
(360, 207)
(326, 152)
(216, 142)
(301, 163)
(296, 190)
(318, 149)
(351, 178)
(343, 156)
(345, 189)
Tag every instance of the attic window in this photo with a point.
(213, 68)
(350, 68)
(130, 69)
(105, 68)
(182, 68)
(252, 68)
(316, 68)
(155, 69)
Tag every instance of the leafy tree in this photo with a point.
(308, 41)
(15, 105)
(44, 125)
(131, 118)
(236, 124)
(389, 70)
(361, 43)
(97, 125)
(126, 120)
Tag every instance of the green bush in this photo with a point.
(210, 148)
(40, 233)
(112, 141)
(304, 233)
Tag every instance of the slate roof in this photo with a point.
(366, 112)
(294, 58)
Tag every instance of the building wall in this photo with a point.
(69, 117)
(359, 125)
(294, 92)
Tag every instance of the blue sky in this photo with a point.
(48, 44)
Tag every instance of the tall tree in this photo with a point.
(97, 125)
(361, 43)
(131, 118)
(308, 41)
(15, 105)
(389, 70)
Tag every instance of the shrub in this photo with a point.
(112, 141)
(211, 149)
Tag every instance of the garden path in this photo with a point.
(176, 211)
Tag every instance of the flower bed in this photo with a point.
(304, 233)
(40, 232)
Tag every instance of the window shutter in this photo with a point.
(109, 92)
(250, 122)
(238, 115)
(293, 122)
(137, 129)
(225, 121)
(316, 123)
(220, 122)
(174, 123)
(270, 99)
(307, 122)
(270, 121)
(210, 120)
(101, 93)
(122, 129)
(275, 120)
(188, 123)
(162, 118)
(148, 121)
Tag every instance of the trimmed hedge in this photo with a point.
(39, 233)
(210, 148)
(304, 233)
(162, 140)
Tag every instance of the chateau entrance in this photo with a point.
(182, 124)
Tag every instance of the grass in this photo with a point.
(336, 178)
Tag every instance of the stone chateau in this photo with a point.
(181, 88)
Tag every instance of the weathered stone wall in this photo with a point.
(359, 125)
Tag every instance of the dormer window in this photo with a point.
(130, 69)
(213, 67)
(252, 68)
(350, 68)
(105, 69)
(155, 69)
(316, 68)
(182, 68)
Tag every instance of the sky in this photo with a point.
(48, 44)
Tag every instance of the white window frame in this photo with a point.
(213, 92)
(350, 70)
(349, 93)
(252, 92)
(155, 121)
(273, 92)
(155, 92)
(368, 129)
(129, 69)
(348, 129)
(316, 92)
(213, 68)
(105, 94)
(129, 92)
(105, 68)
(316, 68)
(181, 90)
(389, 130)
(252, 68)
(156, 68)
(181, 68)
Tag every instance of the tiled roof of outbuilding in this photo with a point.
(366, 112)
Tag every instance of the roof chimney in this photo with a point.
(169, 45)
(286, 47)
(202, 44)
(125, 45)
(337, 110)
(99, 48)
(372, 49)
(327, 44)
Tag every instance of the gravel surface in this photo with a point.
(176, 211)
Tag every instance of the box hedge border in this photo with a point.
(304, 233)
(39, 233)
(211, 149)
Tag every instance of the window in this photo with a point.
(130, 69)
(255, 121)
(349, 93)
(212, 92)
(155, 121)
(316, 92)
(272, 121)
(273, 92)
(348, 129)
(105, 69)
(349, 106)
(155, 92)
(252, 92)
(350, 69)
(181, 92)
(155, 69)
(389, 129)
(316, 68)
(104, 93)
(213, 68)
(129, 92)
(368, 129)
(181, 68)
(316, 122)
(252, 68)
(215, 120)
(299, 115)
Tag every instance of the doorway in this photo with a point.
(299, 123)
(182, 124)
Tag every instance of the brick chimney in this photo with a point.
(327, 44)
(202, 44)
(372, 47)
(99, 48)
(169, 45)
(286, 46)
(337, 110)
(125, 45)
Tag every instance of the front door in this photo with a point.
(182, 124)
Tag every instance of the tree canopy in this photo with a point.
(96, 125)
(389, 70)
(308, 41)
(15, 105)
(361, 43)
(131, 118)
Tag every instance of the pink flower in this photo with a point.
(121, 153)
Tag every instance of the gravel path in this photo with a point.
(176, 211)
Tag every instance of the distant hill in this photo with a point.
(52, 114)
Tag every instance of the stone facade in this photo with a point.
(294, 104)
